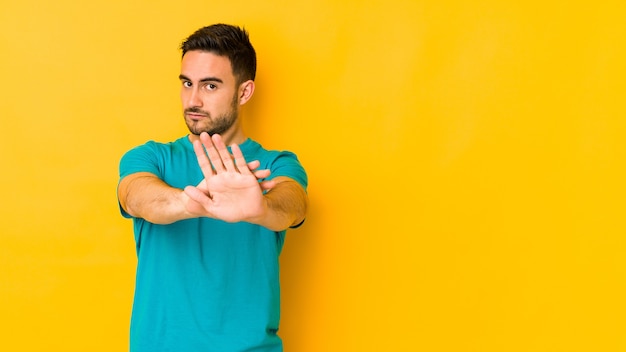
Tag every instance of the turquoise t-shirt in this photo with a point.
(204, 284)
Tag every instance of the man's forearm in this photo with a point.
(286, 206)
(145, 196)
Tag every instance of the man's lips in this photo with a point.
(196, 116)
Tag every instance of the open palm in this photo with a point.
(229, 191)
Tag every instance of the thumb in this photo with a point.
(194, 193)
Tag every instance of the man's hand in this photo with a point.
(230, 190)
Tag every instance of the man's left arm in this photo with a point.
(287, 204)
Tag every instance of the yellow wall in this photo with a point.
(466, 163)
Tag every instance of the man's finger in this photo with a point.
(203, 161)
(240, 161)
(225, 157)
(212, 152)
(197, 195)
(259, 174)
(253, 165)
(267, 185)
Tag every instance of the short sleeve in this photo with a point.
(287, 164)
(139, 159)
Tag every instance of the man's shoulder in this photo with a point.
(280, 162)
(253, 147)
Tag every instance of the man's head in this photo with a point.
(217, 75)
(225, 40)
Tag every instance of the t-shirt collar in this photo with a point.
(247, 147)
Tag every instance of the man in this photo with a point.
(210, 221)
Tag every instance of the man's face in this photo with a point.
(208, 92)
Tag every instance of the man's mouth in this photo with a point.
(195, 115)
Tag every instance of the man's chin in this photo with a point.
(198, 131)
(195, 128)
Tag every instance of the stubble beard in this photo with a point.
(210, 125)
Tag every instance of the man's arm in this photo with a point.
(230, 192)
(287, 204)
(144, 195)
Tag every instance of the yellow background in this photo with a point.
(466, 164)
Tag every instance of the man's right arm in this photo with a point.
(144, 195)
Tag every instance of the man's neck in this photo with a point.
(232, 136)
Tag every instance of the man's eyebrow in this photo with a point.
(204, 80)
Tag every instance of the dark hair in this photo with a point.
(225, 40)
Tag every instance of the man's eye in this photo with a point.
(211, 86)
(186, 84)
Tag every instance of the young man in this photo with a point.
(210, 220)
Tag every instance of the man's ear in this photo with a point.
(246, 89)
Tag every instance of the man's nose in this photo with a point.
(193, 98)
